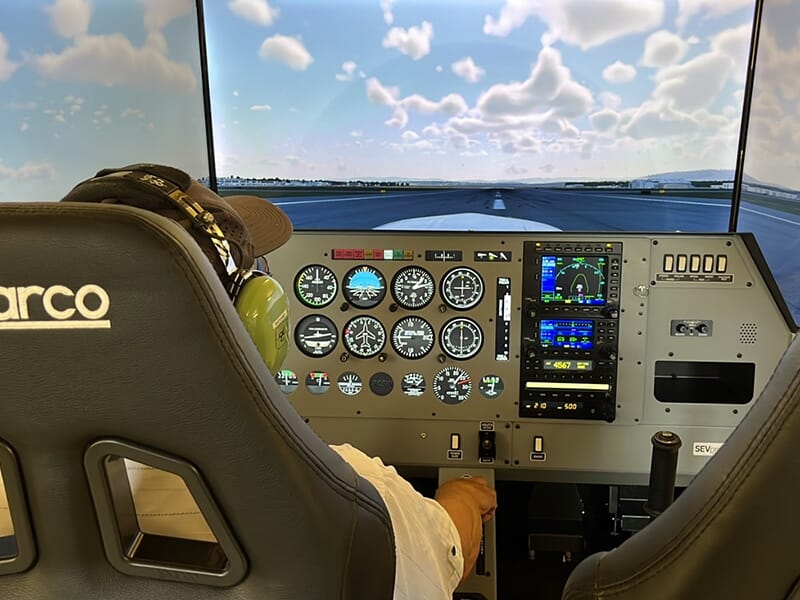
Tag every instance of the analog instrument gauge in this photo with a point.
(462, 288)
(316, 336)
(412, 337)
(364, 286)
(452, 385)
(413, 384)
(491, 386)
(364, 336)
(315, 286)
(461, 338)
(349, 383)
(318, 382)
(413, 287)
(287, 381)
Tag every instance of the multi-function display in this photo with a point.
(572, 334)
(574, 279)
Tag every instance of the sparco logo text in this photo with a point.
(55, 307)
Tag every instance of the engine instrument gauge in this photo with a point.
(364, 286)
(349, 383)
(318, 382)
(287, 381)
(413, 287)
(364, 336)
(316, 335)
(461, 338)
(462, 288)
(413, 384)
(452, 385)
(491, 386)
(315, 286)
(412, 337)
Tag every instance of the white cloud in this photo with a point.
(113, 60)
(159, 13)
(70, 18)
(378, 93)
(348, 69)
(609, 100)
(386, 7)
(260, 107)
(27, 171)
(357, 133)
(716, 8)
(287, 50)
(7, 67)
(468, 70)
(663, 48)
(550, 86)
(410, 136)
(399, 118)
(451, 104)
(414, 41)
(656, 120)
(24, 126)
(132, 112)
(439, 68)
(604, 120)
(580, 22)
(256, 11)
(619, 72)
(694, 84)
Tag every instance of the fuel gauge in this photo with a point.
(318, 382)
(287, 381)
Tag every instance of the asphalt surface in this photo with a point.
(778, 233)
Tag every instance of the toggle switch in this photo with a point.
(487, 450)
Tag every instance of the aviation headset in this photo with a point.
(222, 234)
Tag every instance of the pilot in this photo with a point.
(436, 540)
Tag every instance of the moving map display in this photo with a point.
(574, 280)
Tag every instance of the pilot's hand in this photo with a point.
(470, 503)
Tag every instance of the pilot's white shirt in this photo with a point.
(429, 563)
(427, 546)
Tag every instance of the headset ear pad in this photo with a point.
(264, 309)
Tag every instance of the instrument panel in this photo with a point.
(546, 356)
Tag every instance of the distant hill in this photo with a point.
(700, 175)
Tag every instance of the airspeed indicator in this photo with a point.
(315, 286)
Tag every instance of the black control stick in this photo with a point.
(663, 467)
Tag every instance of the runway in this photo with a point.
(778, 233)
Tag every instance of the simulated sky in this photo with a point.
(90, 84)
(476, 89)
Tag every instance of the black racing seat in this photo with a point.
(734, 532)
(117, 340)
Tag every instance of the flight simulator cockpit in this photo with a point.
(549, 243)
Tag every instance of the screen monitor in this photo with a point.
(489, 114)
(574, 280)
(88, 85)
(568, 334)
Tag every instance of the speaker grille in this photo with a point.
(748, 333)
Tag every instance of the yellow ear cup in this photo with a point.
(264, 309)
